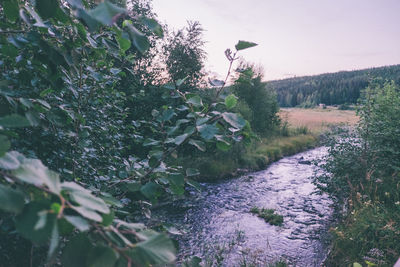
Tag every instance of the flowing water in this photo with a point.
(221, 230)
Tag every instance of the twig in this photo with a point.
(227, 75)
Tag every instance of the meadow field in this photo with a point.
(317, 120)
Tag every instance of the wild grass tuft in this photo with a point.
(268, 215)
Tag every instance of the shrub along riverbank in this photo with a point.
(256, 156)
(362, 177)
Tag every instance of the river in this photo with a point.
(221, 230)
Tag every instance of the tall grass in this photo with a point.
(256, 156)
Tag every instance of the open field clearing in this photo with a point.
(318, 120)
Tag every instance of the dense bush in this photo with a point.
(70, 80)
(257, 102)
(361, 175)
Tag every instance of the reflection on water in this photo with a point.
(219, 226)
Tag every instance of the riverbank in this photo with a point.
(254, 157)
(300, 130)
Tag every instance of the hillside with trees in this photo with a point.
(332, 88)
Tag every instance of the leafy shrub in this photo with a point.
(361, 175)
(371, 227)
(69, 80)
(260, 99)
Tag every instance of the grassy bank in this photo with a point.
(300, 130)
(256, 156)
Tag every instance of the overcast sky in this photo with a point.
(295, 37)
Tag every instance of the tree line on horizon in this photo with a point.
(338, 88)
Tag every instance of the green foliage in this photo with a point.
(361, 173)
(185, 56)
(366, 161)
(259, 104)
(230, 101)
(254, 156)
(369, 234)
(268, 215)
(331, 89)
(244, 45)
(97, 137)
(11, 200)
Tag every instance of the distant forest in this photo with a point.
(332, 88)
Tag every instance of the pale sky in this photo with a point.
(295, 37)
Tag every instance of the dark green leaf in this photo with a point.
(151, 190)
(199, 144)
(151, 142)
(84, 197)
(108, 218)
(11, 200)
(138, 39)
(4, 145)
(178, 190)
(234, 120)
(76, 251)
(133, 186)
(101, 256)
(33, 117)
(201, 121)
(26, 102)
(180, 139)
(14, 120)
(244, 45)
(230, 101)
(168, 114)
(32, 171)
(43, 103)
(223, 146)
(156, 250)
(124, 43)
(153, 25)
(65, 228)
(46, 92)
(181, 81)
(9, 50)
(54, 240)
(195, 101)
(36, 17)
(194, 184)
(192, 172)
(207, 131)
(106, 13)
(88, 19)
(80, 223)
(47, 8)
(11, 9)
(153, 162)
(176, 179)
(26, 222)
